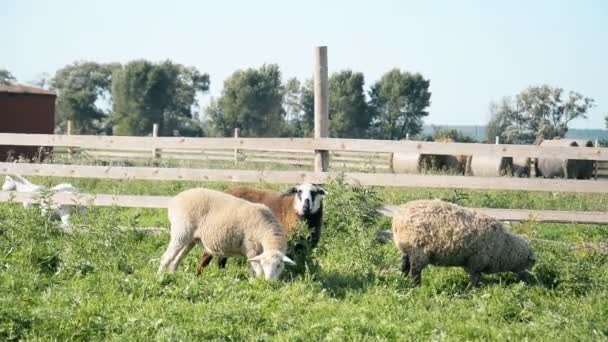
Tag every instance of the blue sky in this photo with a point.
(473, 52)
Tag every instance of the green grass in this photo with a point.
(101, 284)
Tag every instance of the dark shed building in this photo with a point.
(25, 110)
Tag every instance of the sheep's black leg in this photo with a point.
(205, 260)
(405, 264)
(418, 262)
(524, 276)
(416, 274)
(475, 276)
(221, 262)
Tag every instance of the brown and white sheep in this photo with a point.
(302, 203)
(225, 225)
(441, 233)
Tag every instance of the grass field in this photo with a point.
(101, 284)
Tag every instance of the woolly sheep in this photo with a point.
(224, 225)
(300, 203)
(441, 233)
(63, 211)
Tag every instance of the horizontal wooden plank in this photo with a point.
(101, 200)
(481, 183)
(269, 144)
(276, 155)
(555, 216)
(278, 161)
(157, 173)
(163, 201)
(290, 177)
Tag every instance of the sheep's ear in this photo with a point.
(289, 261)
(291, 190)
(321, 190)
(255, 258)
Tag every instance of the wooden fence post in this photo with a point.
(321, 99)
(236, 150)
(155, 153)
(497, 140)
(596, 162)
(68, 131)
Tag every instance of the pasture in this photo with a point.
(101, 283)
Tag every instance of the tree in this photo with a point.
(145, 93)
(606, 118)
(540, 112)
(298, 104)
(6, 77)
(450, 134)
(349, 115)
(42, 80)
(399, 102)
(79, 86)
(251, 100)
(508, 124)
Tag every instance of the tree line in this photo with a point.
(141, 93)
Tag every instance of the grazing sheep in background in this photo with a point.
(225, 225)
(302, 203)
(63, 211)
(441, 233)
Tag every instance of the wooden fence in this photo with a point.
(304, 144)
(287, 147)
(161, 202)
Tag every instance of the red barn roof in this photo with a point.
(21, 89)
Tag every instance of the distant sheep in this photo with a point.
(224, 225)
(441, 233)
(302, 203)
(62, 211)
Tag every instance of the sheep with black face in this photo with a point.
(301, 203)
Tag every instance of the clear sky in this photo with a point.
(473, 52)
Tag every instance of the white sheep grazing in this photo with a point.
(224, 225)
(63, 211)
(301, 203)
(444, 234)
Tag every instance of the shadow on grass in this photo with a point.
(338, 285)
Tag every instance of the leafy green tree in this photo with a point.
(510, 125)
(145, 93)
(42, 80)
(252, 100)
(450, 134)
(399, 102)
(349, 115)
(539, 112)
(6, 77)
(298, 104)
(79, 86)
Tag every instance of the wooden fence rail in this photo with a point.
(161, 202)
(319, 144)
(290, 177)
(548, 216)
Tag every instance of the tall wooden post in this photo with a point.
(236, 150)
(596, 163)
(321, 98)
(68, 131)
(154, 135)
